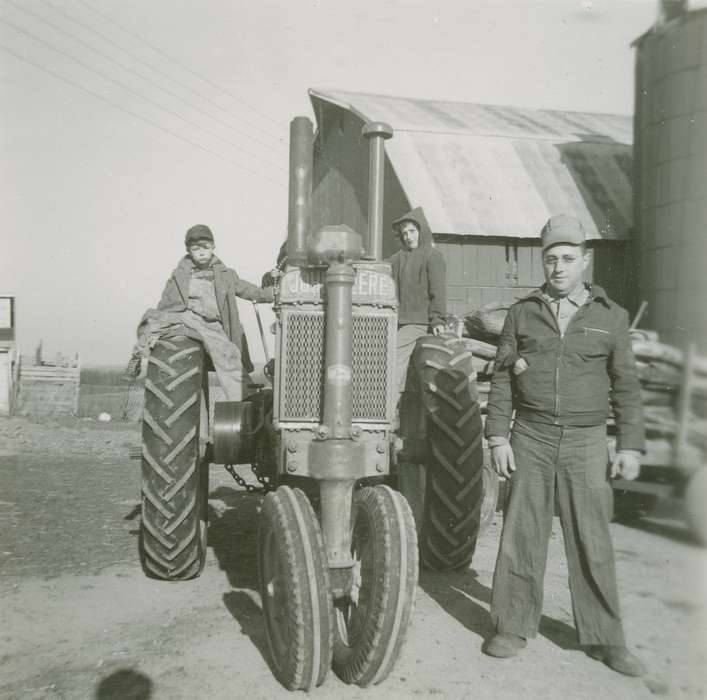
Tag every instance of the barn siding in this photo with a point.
(480, 271)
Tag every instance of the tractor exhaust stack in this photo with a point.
(376, 133)
(300, 189)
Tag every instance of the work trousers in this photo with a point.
(408, 335)
(571, 465)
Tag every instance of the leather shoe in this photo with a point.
(503, 645)
(617, 658)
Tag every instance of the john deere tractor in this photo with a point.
(337, 540)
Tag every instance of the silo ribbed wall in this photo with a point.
(671, 177)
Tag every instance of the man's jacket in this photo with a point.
(420, 277)
(570, 379)
(227, 286)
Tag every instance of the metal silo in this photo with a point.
(670, 160)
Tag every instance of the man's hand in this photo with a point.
(438, 330)
(626, 464)
(503, 460)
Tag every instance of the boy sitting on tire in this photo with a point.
(199, 300)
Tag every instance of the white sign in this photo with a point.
(5, 312)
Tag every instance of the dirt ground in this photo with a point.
(79, 620)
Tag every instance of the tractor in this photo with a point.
(352, 481)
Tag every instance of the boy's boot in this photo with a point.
(134, 368)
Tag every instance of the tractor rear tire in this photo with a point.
(370, 631)
(695, 500)
(294, 588)
(175, 475)
(454, 484)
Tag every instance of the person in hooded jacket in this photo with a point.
(419, 273)
(200, 299)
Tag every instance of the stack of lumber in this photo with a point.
(673, 387)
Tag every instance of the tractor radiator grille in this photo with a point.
(302, 385)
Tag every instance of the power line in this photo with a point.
(147, 120)
(149, 80)
(149, 65)
(179, 63)
(134, 92)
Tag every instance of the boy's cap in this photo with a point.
(562, 229)
(200, 232)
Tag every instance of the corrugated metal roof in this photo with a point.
(502, 171)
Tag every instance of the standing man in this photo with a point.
(564, 352)
(420, 280)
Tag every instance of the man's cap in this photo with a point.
(200, 232)
(562, 229)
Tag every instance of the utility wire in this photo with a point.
(135, 92)
(181, 84)
(179, 63)
(146, 78)
(147, 120)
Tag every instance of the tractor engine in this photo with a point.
(301, 378)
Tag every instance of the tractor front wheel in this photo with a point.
(372, 621)
(294, 587)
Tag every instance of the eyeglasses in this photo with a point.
(553, 259)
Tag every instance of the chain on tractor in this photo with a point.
(265, 484)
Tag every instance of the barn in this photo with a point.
(488, 178)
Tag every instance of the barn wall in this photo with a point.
(481, 270)
(340, 172)
(340, 178)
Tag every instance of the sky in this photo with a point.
(123, 123)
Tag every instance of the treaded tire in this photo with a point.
(454, 492)
(695, 499)
(294, 587)
(175, 477)
(369, 635)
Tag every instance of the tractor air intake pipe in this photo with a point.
(300, 192)
(337, 456)
(377, 133)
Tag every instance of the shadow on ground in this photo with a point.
(670, 529)
(233, 536)
(124, 684)
(460, 594)
(249, 616)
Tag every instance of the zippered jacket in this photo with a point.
(570, 380)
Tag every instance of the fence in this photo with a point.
(47, 390)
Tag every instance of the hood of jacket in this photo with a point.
(417, 216)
